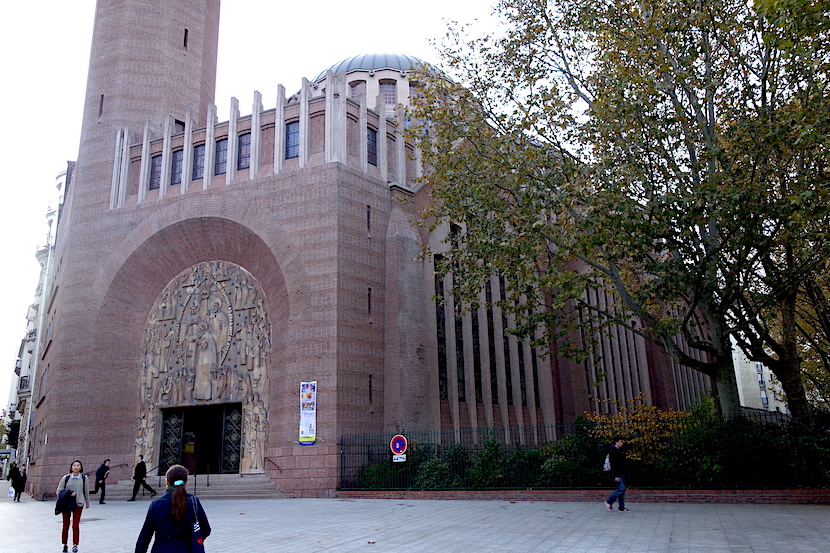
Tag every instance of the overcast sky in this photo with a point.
(262, 43)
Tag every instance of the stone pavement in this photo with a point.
(379, 525)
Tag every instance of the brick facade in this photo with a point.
(328, 236)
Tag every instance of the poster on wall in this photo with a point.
(308, 413)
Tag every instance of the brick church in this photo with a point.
(238, 295)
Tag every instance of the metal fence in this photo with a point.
(491, 457)
(561, 456)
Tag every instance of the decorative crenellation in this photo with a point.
(207, 341)
(334, 117)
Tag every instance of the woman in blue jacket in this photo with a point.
(171, 517)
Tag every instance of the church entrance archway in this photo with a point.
(205, 439)
(204, 372)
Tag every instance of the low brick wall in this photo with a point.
(819, 496)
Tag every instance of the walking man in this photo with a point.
(101, 480)
(139, 475)
(618, 469)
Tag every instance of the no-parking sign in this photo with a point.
(398, 445)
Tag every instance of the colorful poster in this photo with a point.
(308, 413)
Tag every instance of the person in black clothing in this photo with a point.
(618, 469)
(170, 518)
(101, 480)
(19, 483)
(139, 476)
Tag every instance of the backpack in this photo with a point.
(606, 466)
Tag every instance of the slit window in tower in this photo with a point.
(198, 162)
(372, 146)
(221, 165)
(101, 106)
(155, 172)
(292, 140)
(244, 151)
(369, 301)
(184, 42)
(176, 167)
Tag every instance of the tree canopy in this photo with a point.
(672, 153)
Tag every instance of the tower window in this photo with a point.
(198, 162)
(292, 140)
(221, 165)
(155, 172)
(184, 42)
(176, 167)
(372, 146)
(243, 160)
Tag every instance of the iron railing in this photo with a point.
(504, 458)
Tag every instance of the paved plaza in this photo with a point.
(377, 525)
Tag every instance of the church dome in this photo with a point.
(371, 63)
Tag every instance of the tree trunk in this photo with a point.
(726, 385)
(788, 367)
(789, 374)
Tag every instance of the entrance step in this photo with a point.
(204, 486)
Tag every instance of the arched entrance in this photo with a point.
(204, 359)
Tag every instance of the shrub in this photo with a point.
(522, 468)
(558, 471)
(488, 470)
(435, 474)
(378, 476)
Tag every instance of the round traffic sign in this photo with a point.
(398, 444)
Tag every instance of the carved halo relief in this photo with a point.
(207, 341)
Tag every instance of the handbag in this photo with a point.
(11, 491)
(197, 542)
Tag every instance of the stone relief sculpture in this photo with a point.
(207, 341)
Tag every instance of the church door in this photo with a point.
(205, 439)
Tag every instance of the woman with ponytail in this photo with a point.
(171, 517)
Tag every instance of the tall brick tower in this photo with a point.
(149, 60)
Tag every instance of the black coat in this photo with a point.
(171, 536)
(619, 464)
(19, 482)
(140, 471)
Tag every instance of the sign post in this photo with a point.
(398, 447)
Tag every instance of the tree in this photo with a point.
(671, 153)
(12, 433)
